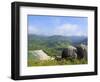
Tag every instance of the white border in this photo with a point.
(24, 70)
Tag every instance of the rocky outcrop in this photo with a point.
(40, 55)
(75, 52)
(81, 51)
(69, 52)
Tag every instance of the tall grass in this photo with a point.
(56, 62)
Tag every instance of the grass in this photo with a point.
(56, 62)
(33, 62)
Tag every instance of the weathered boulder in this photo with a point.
(69, 52)
(40, 55)
(81, 51)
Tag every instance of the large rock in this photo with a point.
(40, 55)
(69, 52)
(81, 51)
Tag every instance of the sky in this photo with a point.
(57, 25)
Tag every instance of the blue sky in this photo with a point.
(57, 25)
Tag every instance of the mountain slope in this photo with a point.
(41, 42)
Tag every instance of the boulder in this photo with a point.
(81, 51)
(40, 55)
(69, 52)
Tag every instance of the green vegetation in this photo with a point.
(55, 62)
(52, 46)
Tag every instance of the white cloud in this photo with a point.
(69, 30)
(64, 30)
(33, 30)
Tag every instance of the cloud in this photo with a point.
(64, 30)
(69, 30)
(33, 30)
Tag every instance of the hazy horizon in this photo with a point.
(58, 35)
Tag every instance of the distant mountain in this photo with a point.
(56, 41)
(85, 41)
(75, 40)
